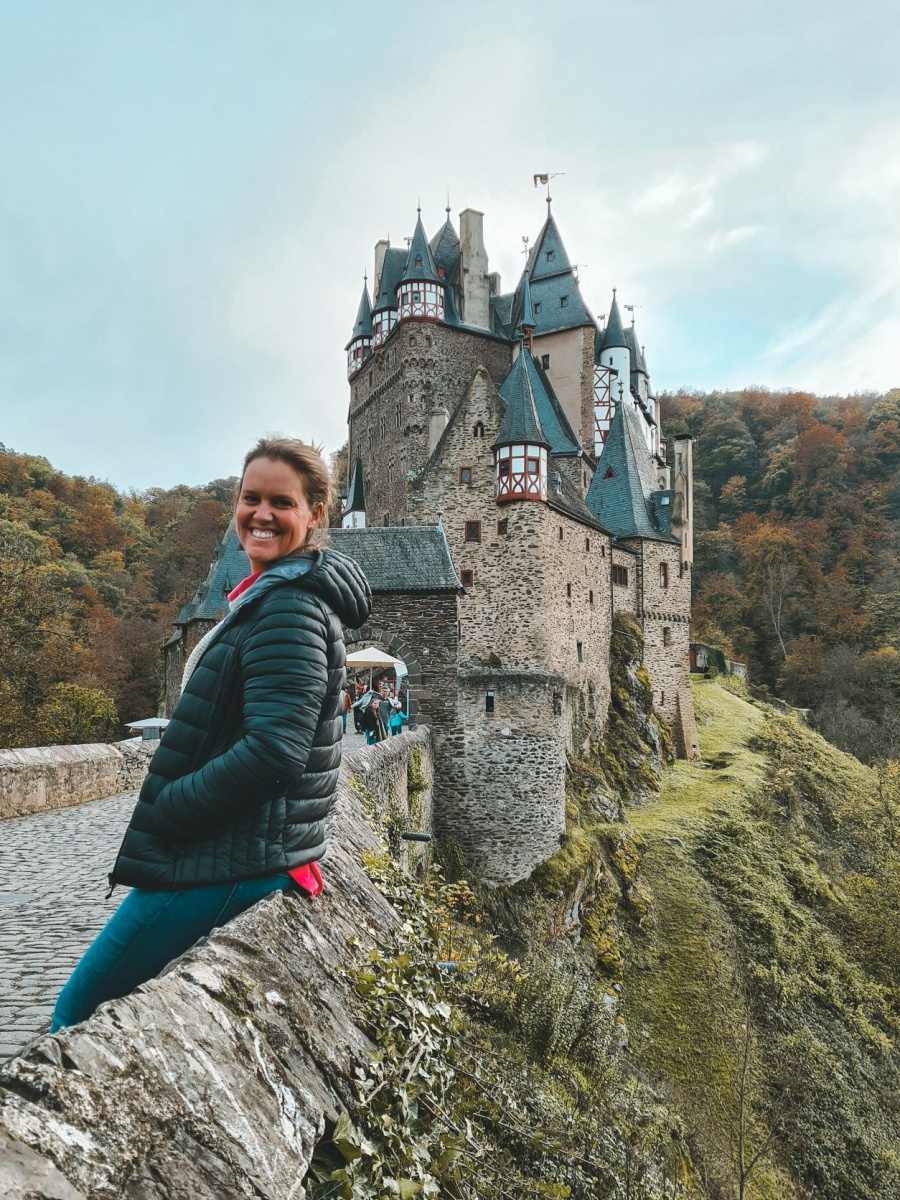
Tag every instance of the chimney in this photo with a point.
(380, 251)
(683, 508)
(437, 423)
(476, 288)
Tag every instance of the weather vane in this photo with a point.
(545, 180)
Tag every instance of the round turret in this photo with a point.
(360, 345)
(520, 451)
(420, 291)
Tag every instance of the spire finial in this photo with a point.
(614, 293)
(447, 209)
(419, 206)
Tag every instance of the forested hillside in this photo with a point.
(797, 546)
(90, 580)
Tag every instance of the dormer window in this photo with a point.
(441, 272)
(610, 473)
(536, 308)
(418, 260)
(545, 362)
(563, 301)
(548, 255)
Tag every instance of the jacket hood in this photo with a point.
(337, 579)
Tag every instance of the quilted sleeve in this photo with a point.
(284, 669)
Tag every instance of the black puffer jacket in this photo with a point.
(247, 768)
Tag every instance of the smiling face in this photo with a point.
(273, 516)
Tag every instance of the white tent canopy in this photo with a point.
(373, 657)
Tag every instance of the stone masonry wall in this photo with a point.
(216, 1079)
(504, 803)
(665, 608)
(416, 378)
(47, 777)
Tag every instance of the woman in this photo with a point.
(236, 797)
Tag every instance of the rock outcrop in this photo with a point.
(217, 1079)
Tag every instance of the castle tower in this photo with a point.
(520, 450)
(390, 263)
(420, 289)
(360, 345)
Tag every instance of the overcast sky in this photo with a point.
(190, 191)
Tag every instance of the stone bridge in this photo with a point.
(243, 1048)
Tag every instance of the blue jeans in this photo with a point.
(145, 933)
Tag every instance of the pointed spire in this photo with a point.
(614, 334)
(528, 320)
(363, 325)
(521, 423)
(420, 261)
(356, 492)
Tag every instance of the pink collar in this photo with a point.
(243, 585)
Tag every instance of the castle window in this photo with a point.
(488, 704)
(398, 415)
(561, 534)
(467, 578)
(465, 474)
(386, 519)
(371, 436)
(473, 531)
(418, 260)
(503, 468)
(502, 527)
(534, 466)
(427, 342)
(441, 272)
(620, 575)
(391, 471)
(663, 575)
(610, 473)
(417, 297)
(667, 636)
(412, 339)
(590, 597)
(545, 361)
(569, 591)
(603, 552)
(478, 430)
(587, 545)
(536, 308)
(563, 301)
(382, 427)
(579, 650)
(548, 255)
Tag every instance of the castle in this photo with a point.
(510, 491)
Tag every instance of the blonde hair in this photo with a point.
(307, 461)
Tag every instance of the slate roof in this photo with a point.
(566, 499)
(228, 568)
(420, 252)
(445, 248)
(637, 358)
(552, 417)
(526, 317)
(520, 421)
(614, 334)
(391, 272)
(411, 558)
(356, 492)
(363, 326)
(400, 558)
(624, 503)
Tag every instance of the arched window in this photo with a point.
(478, 430)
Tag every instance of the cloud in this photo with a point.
(723, 238)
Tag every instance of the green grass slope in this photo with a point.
(761, 991)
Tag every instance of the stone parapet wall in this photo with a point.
(217, 1079)
(46, 777)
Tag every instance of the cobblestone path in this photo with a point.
(53, 869)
